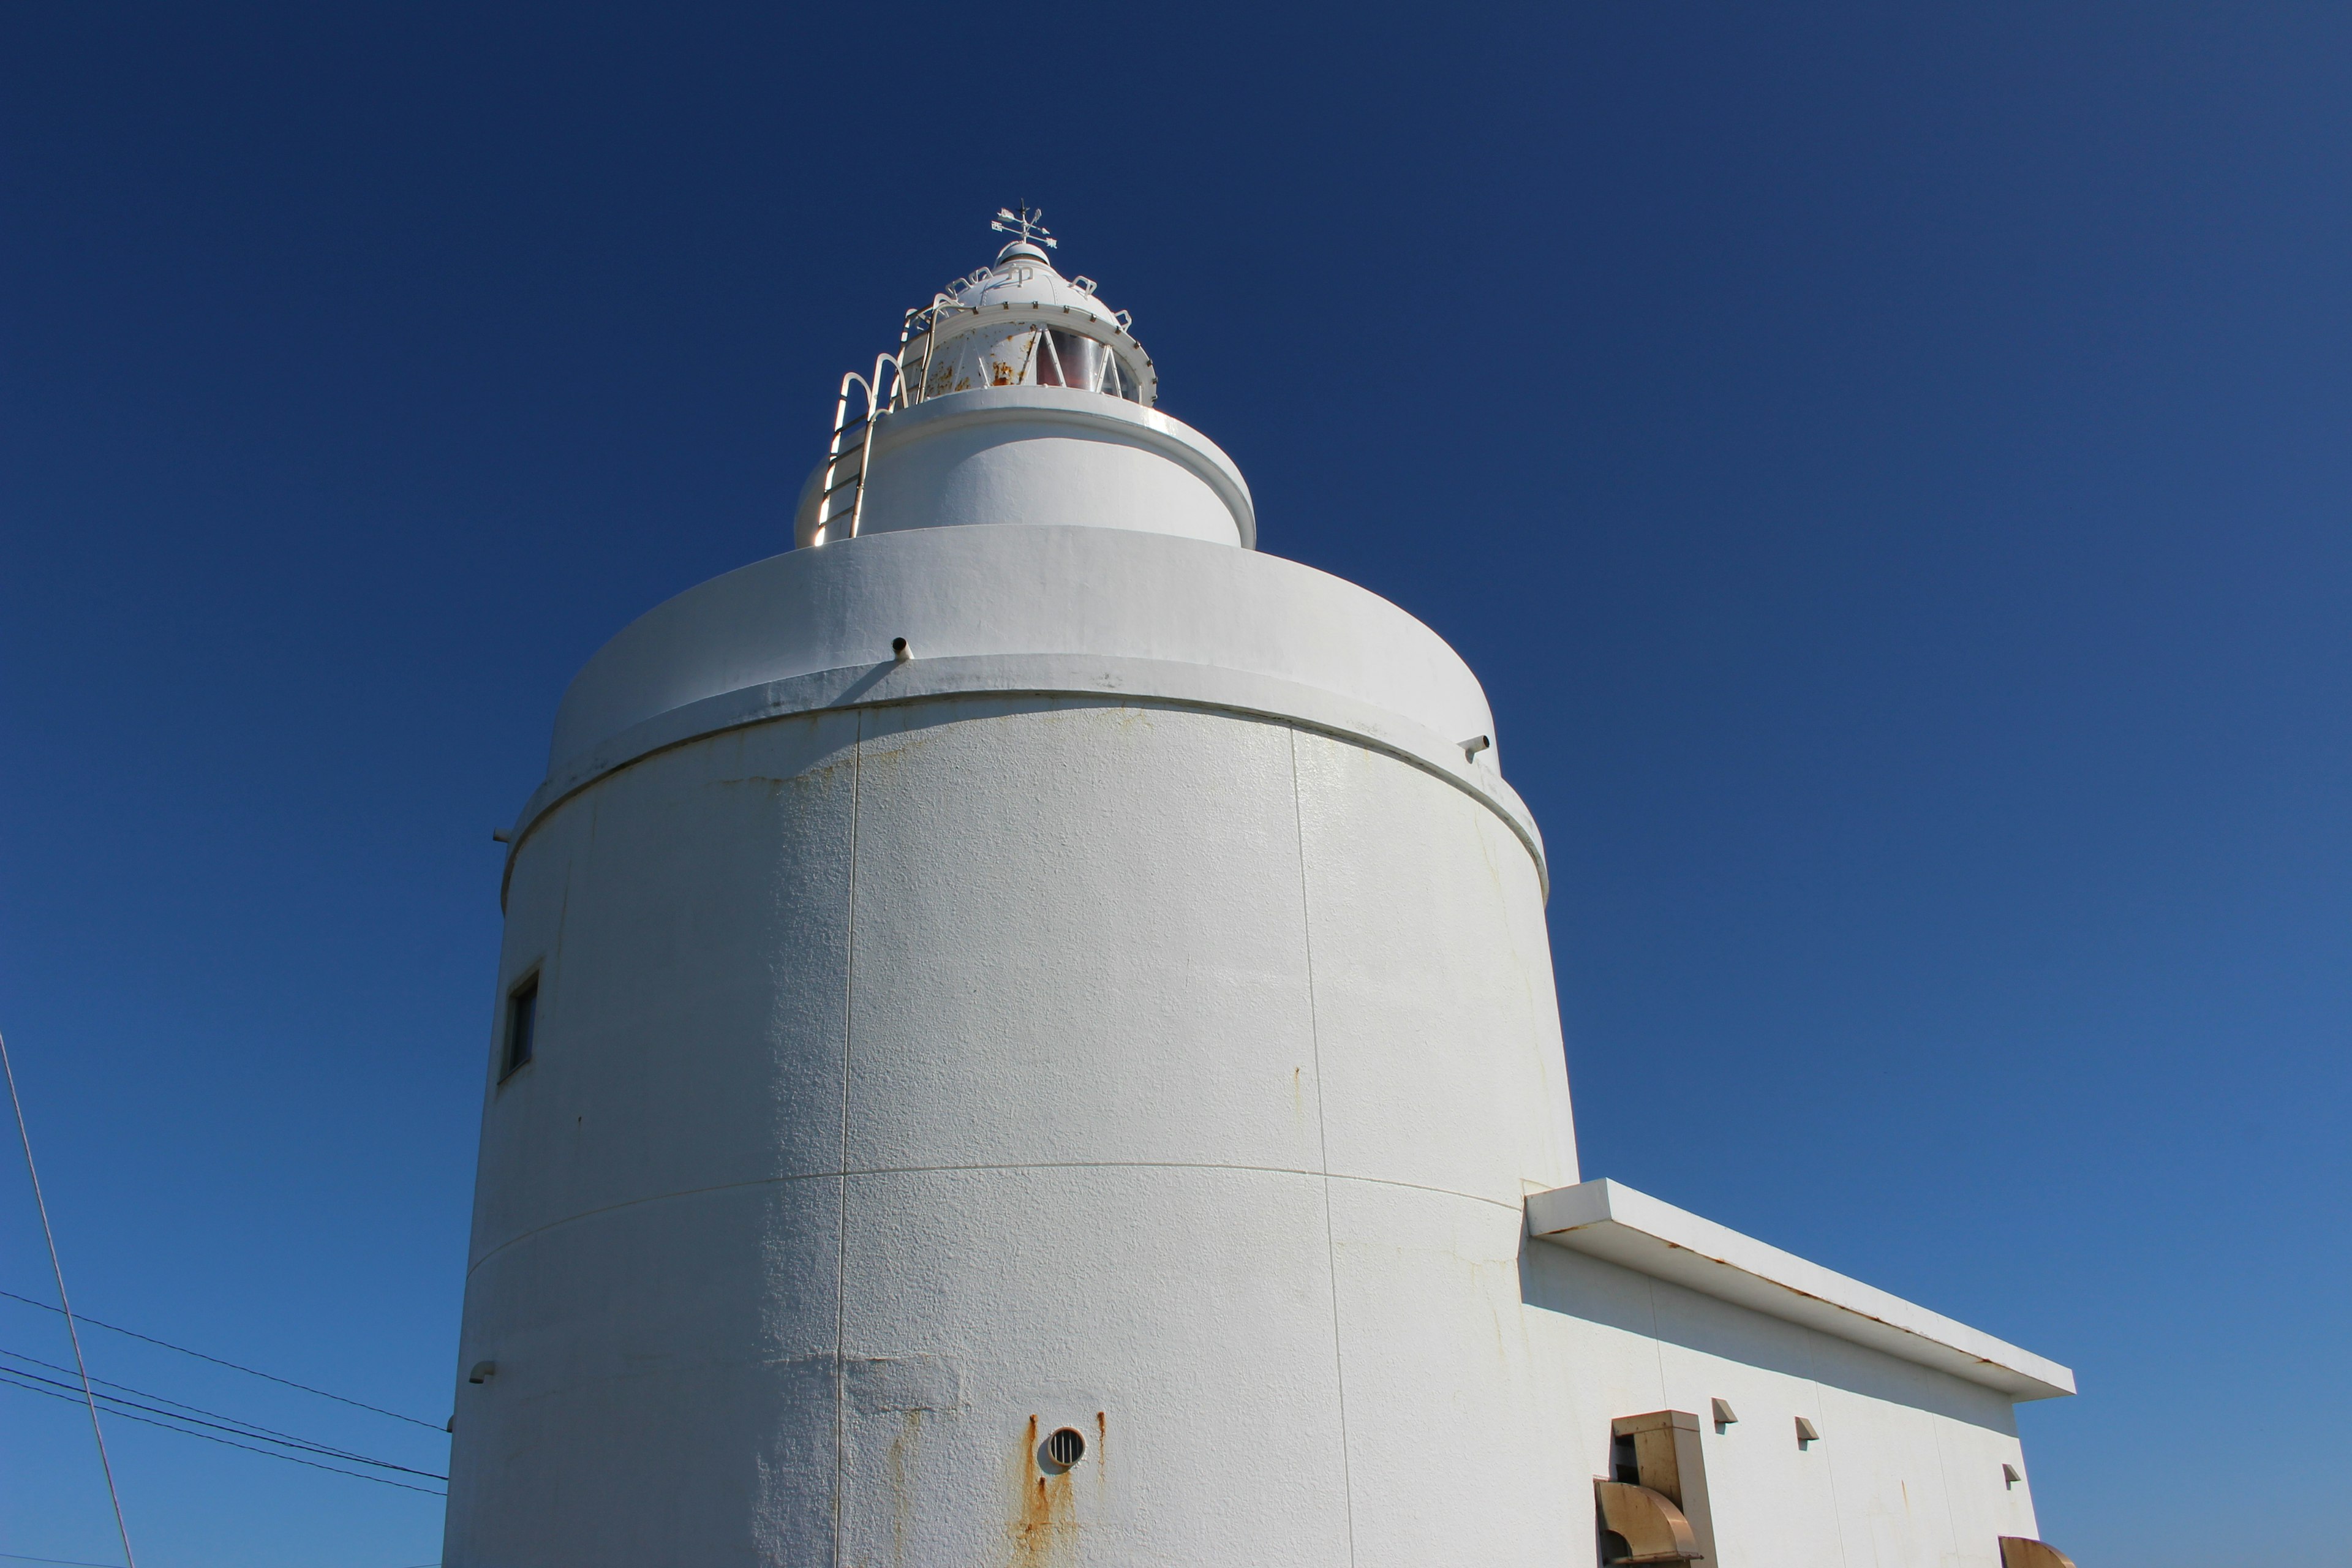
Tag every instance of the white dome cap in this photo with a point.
(1023, 275)
(1010, 299)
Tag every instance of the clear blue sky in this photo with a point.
(1889, 465)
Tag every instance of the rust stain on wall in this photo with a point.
(1044, 1527)
(902, 1451)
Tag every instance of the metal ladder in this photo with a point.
(841, 497)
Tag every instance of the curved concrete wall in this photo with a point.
(1132, 1012)
(1093, 594)
(915, 1079)
(1049, 455)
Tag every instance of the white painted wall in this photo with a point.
(1079, 609)
(1135, 1058)
(1134, 1012)
(1045, 455)
(1907, 1470)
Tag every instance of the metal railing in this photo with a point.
(841, 494)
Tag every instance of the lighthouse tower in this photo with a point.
(1025, 1035)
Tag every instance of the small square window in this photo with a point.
(523, 1018)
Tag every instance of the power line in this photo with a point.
(241, 1428)
(233, 1366)
(24, 1136)
(149, 1394)
(8, 1381)
(238, 1422)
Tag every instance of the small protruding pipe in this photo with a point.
(899, 650)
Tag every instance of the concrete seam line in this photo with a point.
(589, 773)
(1517, 1208)
(1323, 1148)
(841, 1213)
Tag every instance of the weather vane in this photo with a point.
(1029, 225)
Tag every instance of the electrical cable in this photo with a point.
(24, 1136)
(160, 1399)
(252, 1429)
(241, 1428)
(233, 1366)
(8, 1381)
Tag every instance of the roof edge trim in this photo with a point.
(1608, 1220)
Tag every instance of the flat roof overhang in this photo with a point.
(1608, 1220)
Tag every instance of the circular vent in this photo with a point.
(1066, 1447)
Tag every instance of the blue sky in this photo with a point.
(1889, 466)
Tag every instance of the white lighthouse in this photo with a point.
(1026, 1036)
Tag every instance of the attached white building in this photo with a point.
(1026, 1036)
